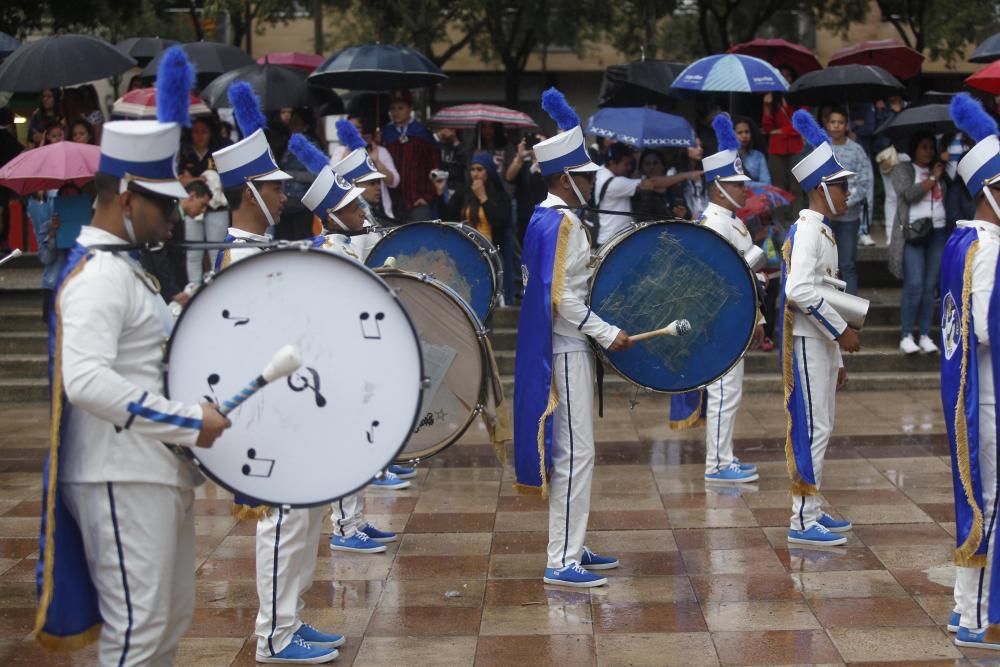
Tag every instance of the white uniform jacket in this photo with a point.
(723, 221)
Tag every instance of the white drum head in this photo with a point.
(323, 432)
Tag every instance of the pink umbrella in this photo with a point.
(896, 58)
(50, 167)
(306, 62)
(470, 115)
(140, 104)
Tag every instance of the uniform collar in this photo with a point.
(809, 214)
(235, 232)
(715, 209)
(551, 201)
(90, 235)
(983, 226)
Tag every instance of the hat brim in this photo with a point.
(993, 181)
(348, 198)
(274, 176)
(171, 189)
(367, 178)
(739, 178)
(583, 168)
(836, 176)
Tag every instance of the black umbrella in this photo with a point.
(988, 51)
(639, 83)
(933, 118)
(377, 67)
(7, 45)
(277, 87)
(844, 84)
(210, 59)
(935, 97)
(61, 60)
(144, 49)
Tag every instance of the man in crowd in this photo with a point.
(415, 153)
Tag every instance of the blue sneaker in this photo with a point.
(592, 561)
(389, 480)
(573, 575)
(973, 639)
(817, 536)
(402, 472)
(311, 635)
(834, 525)
(358, 543)
(732, 475)
(300, 653)
(745, 467)
(954, 621)
(383, 536)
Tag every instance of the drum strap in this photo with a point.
(599, 373)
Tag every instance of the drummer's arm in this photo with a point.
(800, 288)
(94, 310)
(571, 307)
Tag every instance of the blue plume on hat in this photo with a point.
(555, 104)
(313, 158)
(246, 108)
(724, 132)
(806, 125)
(348, 135)
(971, 118)
(174, 79)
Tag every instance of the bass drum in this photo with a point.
(326, 430)
(452, 253)
(455, 362)
(658, 272)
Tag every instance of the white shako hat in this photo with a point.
(356, 166)
(329, 191)
(565, 152)
(249, 159)
(725, 165)
(980, 167)
(820, 165)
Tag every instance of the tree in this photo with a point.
(723, 23)
(247, 15)
(635, 26)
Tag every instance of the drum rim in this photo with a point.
(189, 451)
(610, 247)
(480, 332)
(495, 271)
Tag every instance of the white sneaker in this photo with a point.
(927, 345)
(907, 346)
(866, 240)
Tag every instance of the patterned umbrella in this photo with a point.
(470, 115)
(140, 104)
(780, 53)
(897, 59)
(306, 62)
(763, 198)
(986, 79)
(730, 73)
(642, 127)
(50, 167)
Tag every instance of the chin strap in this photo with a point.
(576, 190)
(333, 216)
(129, 229)
(260, 202)
(993, 202)
(725, 193)
(829, 200)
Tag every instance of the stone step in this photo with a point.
(18, 390)
(24, 342)
(19, 318)
(24, 366)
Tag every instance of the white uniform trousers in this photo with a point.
(724, 396)
(572, 456)
(348, 515)
(972, 584)
(139, 539)
(287, 546)
(817, 377)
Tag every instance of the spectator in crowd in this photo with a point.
(45, 223)
(485, 204)
(887, 158)
(54, 133)
(135, 83)
(783, 143)
(373, 197)
(652, 203)
(415, 153)
(862, 125)
(46, 113)
(958, 204)
(447, 197)
(82, 132)
(91, 109)
(193, 227)
(754, 161)
(453, 157)
(296, 221)
(689, 198)
(195, 162)
(170, 264)
(493, 140)
(10, 148)
(920, 197)
(529, 184)
(847, 225)
(382, 160)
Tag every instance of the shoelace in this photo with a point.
(821, 528)
(390, 476)
(735, 467)
(588, 553)
(576, 567)
(361, 536)
(298, 641)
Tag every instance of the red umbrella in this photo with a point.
(306, 62)
(140, 104)
(470, 115)
(51, 167)
(897, 59)
(987, 79)
(780, 53)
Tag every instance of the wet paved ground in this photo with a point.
(706, 577)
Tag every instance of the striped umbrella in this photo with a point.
(140, 104)
(730, 73)
(470, 115)
(307, 62)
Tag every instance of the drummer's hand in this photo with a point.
(182, 298)
(213, 423)
(841, 378)
(621, 342)
(849, 341)
(758, 337)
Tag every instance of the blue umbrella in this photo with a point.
(377, 67)
(642, 128)
(7, 45)
(730, 73)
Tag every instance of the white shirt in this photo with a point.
(618, 197)
(114, 326)
(230, 255)
(723, 221)
(984, 266)
(814, 255)
(385, 159)
(574, 321)
(353, 247)
(931, 205)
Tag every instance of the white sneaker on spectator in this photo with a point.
(907, 346)
(927, 345)
(866, 240)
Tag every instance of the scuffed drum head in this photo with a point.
(665, 271)
(325, 431)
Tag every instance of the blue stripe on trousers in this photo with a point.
(809, 400)
(569, 486)
(274, 583)
(982, 572)
(121, 566)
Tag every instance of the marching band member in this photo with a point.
(727, 194)
(813, 335)
(117, 539)
(287, 539)
(970, 371)
(554, 373)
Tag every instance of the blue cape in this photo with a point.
(68, 615)
(687, 410)
(535, 398)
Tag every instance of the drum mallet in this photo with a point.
(16, 252)
(284, 362)
(675, 328)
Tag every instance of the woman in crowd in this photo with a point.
(82, 132)
(754, 161)
(689, 199)
(651, 202)
(919, 234)
(847, 226)
(485, 204)
(47, 112)
(92, 109)
(783, 143)
(54, 133)
(194, 161)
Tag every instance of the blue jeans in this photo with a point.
(921, 269)
(845, 232)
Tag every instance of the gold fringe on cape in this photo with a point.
(247, 513)
(496, 413)
(693, 420)
(965, 554)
